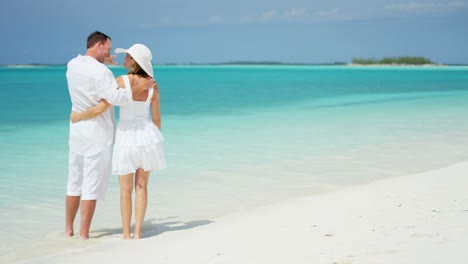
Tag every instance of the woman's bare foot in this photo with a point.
(126, 237)
(137, 236)
(68, 232)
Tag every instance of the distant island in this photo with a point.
(394, 61)
(258, 63)
(386, 61)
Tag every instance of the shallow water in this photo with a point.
(236, 137)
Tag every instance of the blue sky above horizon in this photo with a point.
(209, 31)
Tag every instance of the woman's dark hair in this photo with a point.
(137, 70)
(96, 37)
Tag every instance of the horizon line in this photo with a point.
(269, 63)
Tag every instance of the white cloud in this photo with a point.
(411, 6)
(424, 7)
(268, 15)
(351, 12)
(295, 12)
(272, 15)
(328, 13)
(264, 17)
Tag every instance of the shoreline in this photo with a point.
(19, 66)
(418, 218)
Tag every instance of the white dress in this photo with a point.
(138, 141)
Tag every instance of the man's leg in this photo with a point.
(96, 171)
(87, 212)
(72, 203)
(74, 185)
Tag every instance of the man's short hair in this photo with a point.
(96, 37)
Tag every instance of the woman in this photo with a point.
(138, 140)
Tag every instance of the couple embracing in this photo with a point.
(93, 155)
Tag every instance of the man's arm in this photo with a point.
(107, 89)
(90, 112)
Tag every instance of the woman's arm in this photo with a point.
(90, 112)
(95, 110)
(155, 113)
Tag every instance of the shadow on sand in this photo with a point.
(153, 227)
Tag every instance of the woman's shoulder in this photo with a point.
(132, 78)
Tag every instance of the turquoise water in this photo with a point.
(236, 137)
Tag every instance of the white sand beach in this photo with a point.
(419, 218)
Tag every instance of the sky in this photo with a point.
(214, 31)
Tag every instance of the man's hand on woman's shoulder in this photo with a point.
(145, 82)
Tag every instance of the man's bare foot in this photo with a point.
(68, 232)
(84, 237)
(127, 237)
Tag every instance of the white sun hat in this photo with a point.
(142, 55)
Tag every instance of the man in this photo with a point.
(90, 141)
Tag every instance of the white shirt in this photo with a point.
(89, 81)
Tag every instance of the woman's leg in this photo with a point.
(126, 187)
(141, 188)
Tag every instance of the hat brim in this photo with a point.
(147, 67)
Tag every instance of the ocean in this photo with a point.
(236, 137)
